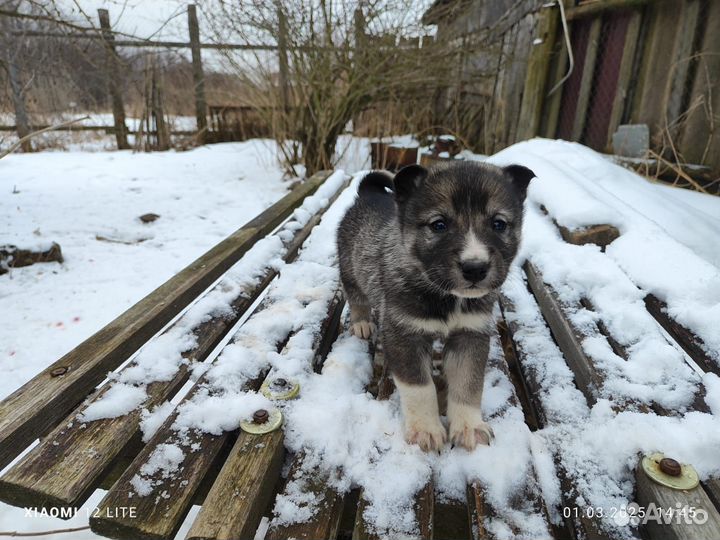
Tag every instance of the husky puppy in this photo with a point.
(428, 251)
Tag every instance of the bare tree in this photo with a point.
(333, 61)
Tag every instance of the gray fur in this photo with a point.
(418, 279)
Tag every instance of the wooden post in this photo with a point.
(625, 75)
(537, 74)
(112, 67)
(198, 77)
(587, 79)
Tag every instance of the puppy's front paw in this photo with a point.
(428, 433)
(362, 329)
(467, 428)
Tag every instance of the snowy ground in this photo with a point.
(666, 233)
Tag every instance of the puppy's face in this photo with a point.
(461, 223)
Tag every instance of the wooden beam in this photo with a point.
(32, 410)
(625, 73)
(586, 85)
(325, 521)
(114, 80)
(235, 504)
(667, 499)
(596, 8)
(691, 344)
(197, 71)
(537, 73)
(589, 381)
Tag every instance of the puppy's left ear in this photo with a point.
(407, 180)
(521, 177)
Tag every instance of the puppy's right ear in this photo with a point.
(407, 180)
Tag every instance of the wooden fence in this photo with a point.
(110, 41)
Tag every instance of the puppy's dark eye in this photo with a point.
(438, 225)
(499, 224)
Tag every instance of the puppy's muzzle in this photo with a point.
(474, 271)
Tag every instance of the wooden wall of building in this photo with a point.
(636, 61)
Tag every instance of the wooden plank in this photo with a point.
(568, 337)
(590, 8)
(691, 344)
(325, 522)
(538, 69)
(625, 73)
(680, 62)
(478, 508)
(678, 528)
(551, 103)
(159, 516)
(57, 473)
(234, 507)
(242, 490)
(576, 525)
(32, 410)
(586, 83)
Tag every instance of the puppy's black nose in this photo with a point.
(474, 271)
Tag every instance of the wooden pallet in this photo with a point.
(236, 476)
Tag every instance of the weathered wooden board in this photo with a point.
(587, 79)
(425, 497)
(161, 516)
(691, 344)
(567, 336)
(234, 506)
(533, 95)
(57, 472)
(325, 522)
(32, 410)
(576, 525)
(242, 489)
(666, 499)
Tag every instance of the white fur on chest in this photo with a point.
(457, 320)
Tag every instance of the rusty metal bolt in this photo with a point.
(280, 383)
(62, 370)
(670, 467)
(260, 416)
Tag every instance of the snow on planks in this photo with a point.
(57, 473)
(31, 411)
(589, 380)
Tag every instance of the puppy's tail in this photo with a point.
(376, 183)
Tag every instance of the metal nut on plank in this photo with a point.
(280, 388)
(263, 421)
(669, 472)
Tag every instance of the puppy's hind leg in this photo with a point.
(465, 356)
(361, 324)
(409, 359)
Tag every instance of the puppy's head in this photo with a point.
(461, 222)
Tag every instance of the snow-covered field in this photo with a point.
(668, 246)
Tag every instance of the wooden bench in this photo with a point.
(235, 476)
